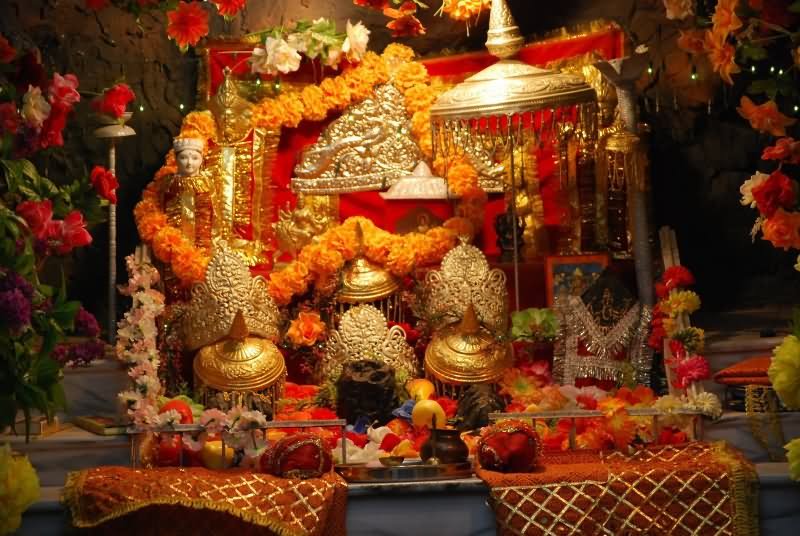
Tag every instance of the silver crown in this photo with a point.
(182, 144)
(227, 289)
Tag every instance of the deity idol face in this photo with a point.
(189, 162)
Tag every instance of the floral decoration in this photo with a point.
(306, 329)
(39, 221)
(114, 100)
(19, 489)
(539, 325)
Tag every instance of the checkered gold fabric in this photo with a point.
(698, 488)
(287, 507)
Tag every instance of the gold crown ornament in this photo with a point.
(465, 353)
(239, 371)
(228, 289)
(363, 334)
(182, 144)
(465, 278)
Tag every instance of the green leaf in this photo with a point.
(768, 87)
(57, 396)
(794, 7)
(64, 314)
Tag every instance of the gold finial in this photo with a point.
(359, 240)
(503, 39)
(231, 110)
(239, 331)
(469, 324)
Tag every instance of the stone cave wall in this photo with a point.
(694, 175)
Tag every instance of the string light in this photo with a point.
(141, 108)
(796, 108)
(650, 68)
(258, 81)
(772, 69)
(780, 73)
(752, 68)
(693, 76)
(180, 106)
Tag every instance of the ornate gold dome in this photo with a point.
(363, 281)
(465, 353)
(240, 362)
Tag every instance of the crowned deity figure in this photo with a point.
(187, 196)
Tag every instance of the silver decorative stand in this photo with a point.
(112, 130)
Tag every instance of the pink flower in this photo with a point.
(692, 369)
(38, 215)
(63, 90)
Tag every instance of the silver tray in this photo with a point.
(405, 472)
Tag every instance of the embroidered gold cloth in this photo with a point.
(170, 500)
(696, 488)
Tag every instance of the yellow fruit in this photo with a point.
(420, 389)
(425, 410)
(212, 455)
(406, 449)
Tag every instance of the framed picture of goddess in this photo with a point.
(570, 275)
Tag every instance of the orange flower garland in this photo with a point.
(321, 260)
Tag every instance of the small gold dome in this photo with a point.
(364, 282)
(465, 353)
(239, 362)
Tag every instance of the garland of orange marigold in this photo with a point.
(321, 260)
(314, 103)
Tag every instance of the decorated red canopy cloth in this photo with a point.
(607, 43)
(170, 500)
(695, 488)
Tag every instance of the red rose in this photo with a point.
(7, 52)
(114, 100)
(105, 183)
(9, 118)
(778, 191)
(38, 215)
(68, 234)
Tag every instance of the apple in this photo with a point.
(424, 412)
(212, 455)
(181, 407)
(420, 389)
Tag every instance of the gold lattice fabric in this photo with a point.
(169, 500)
(698, 488)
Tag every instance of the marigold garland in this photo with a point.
(320, 260)
(314, 103)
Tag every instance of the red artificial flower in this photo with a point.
(677, 277)
(405, 24)
(692, 369)
(52, 131)
(540, 370)
(114, 101)
(38, 215)
(7, 52)
(71, 233)
(229, 8)
(359, 440)
(187, 24)
(380, 5)
(10, 120)
(671, 436)
(784, 149)
(586, 401)
(449, 405)
(323, 414)
(97, 5)
(412, 335)
(389, 442)
(662, 290)
(105, 183)
(677, 349)
(299, 392)
(63, 90)
(778, 191)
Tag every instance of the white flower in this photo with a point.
(355, 44)
(376, 435)
(249, 420)
(35, 109)
(148, 386)
(129, 399)
(170, 417)
(214, 420)
(334, 57)
(259, 61)
(299, 41)
(707, 403)
(195, 445)
(369, 453)
(679, 9)
(746, 189)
